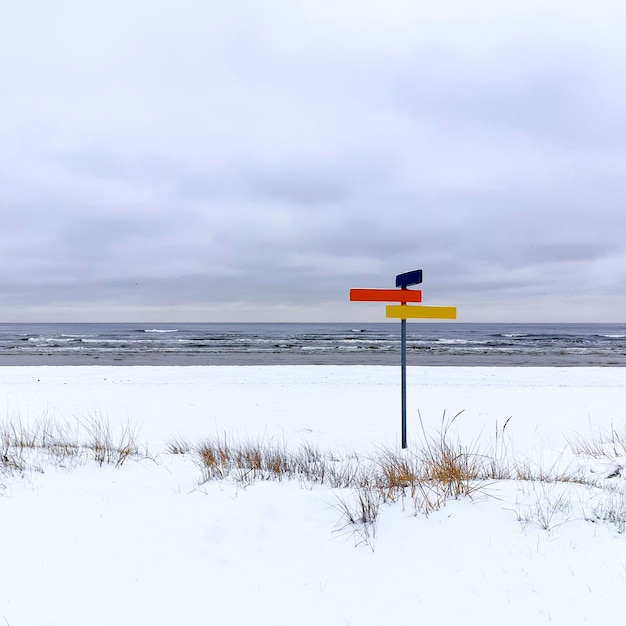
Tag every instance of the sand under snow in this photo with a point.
(146, 543)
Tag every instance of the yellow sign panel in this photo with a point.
(431, 312)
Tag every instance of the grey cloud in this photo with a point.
(304, 187)
(549, 107)
(302, 150)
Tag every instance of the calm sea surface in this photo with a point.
(323, 344)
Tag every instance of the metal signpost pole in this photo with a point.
(403, 339)
(403, 281)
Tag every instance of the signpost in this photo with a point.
(404, 295)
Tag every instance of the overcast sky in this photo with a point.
(195, 160)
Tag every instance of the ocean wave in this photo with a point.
(53, 340)
(458, 342)
(278, 343)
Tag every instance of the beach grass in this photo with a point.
(91, 439)
(427, 475)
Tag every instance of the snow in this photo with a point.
(149, 543)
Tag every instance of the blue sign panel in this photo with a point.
(409, 278)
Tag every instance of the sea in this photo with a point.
(436, 344)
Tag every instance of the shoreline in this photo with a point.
(347, 360)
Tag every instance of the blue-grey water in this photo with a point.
(324, 344)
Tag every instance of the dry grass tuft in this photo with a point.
(62, 444)
(105, 446)
(360, 515)
(179, 445)
(611, 509)
(603, 444)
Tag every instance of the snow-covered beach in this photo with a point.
(150, 543)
